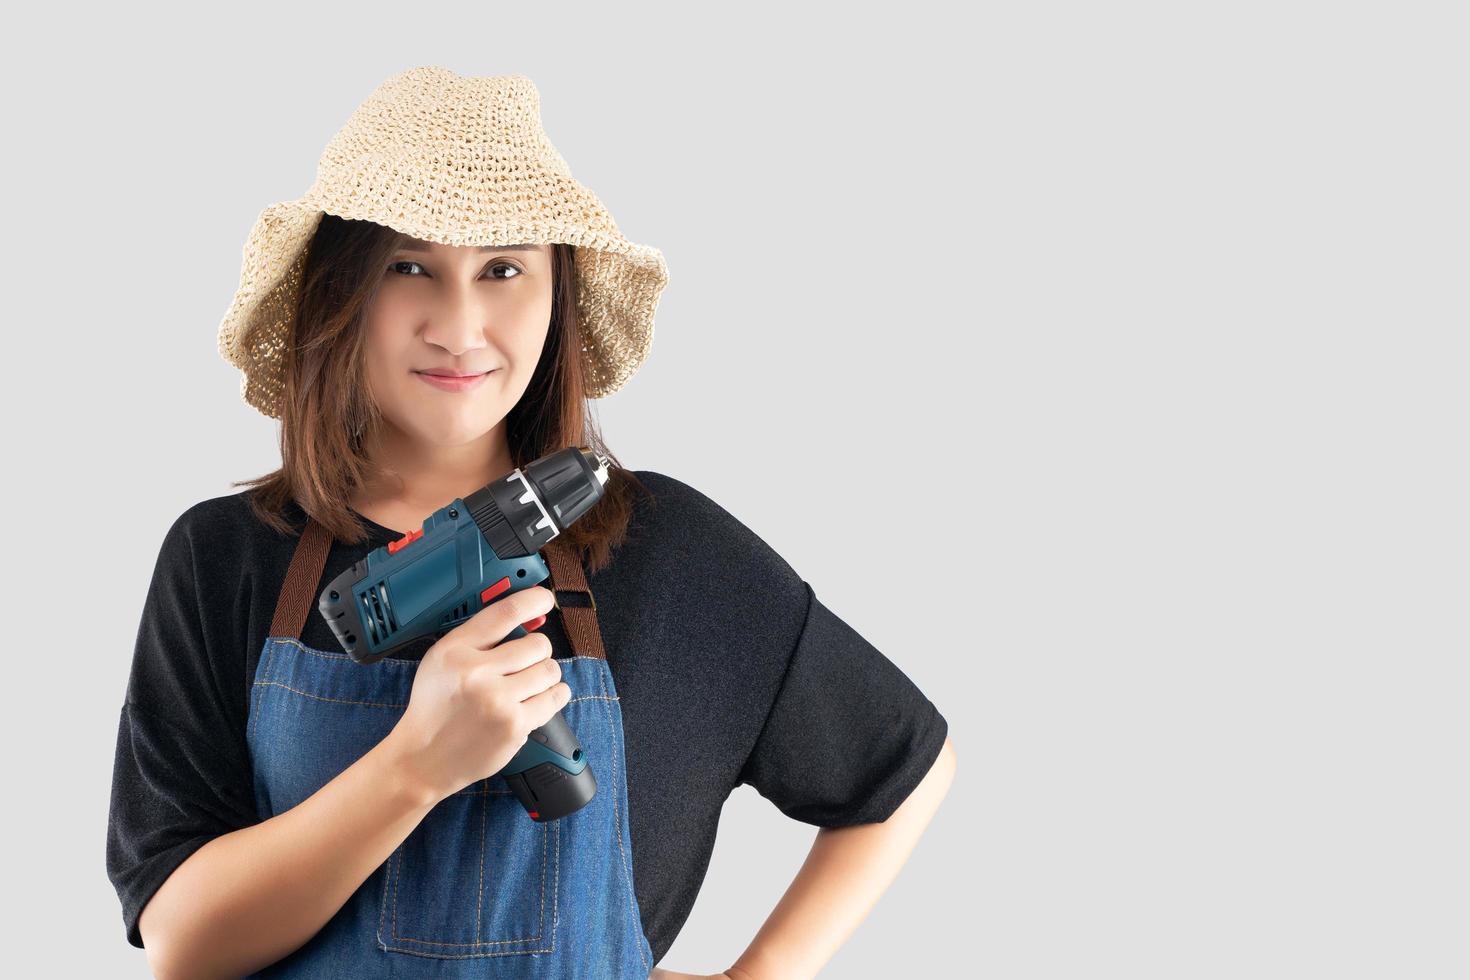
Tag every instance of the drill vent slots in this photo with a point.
(455, 615)
(377, 613)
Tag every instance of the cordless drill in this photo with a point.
(466, 555)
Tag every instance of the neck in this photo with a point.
(415, 478)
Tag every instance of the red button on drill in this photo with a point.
(500, 587)
(406, 540)
(494, 591)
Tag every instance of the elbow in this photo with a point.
(165, 964)
(154, 946)
(158, 960)
(174, 953)
(157, 967)
(162, 955)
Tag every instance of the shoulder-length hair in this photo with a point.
(328, 414)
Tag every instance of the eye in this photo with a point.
(395, 267)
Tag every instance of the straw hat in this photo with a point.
(458, 161)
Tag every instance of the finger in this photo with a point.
(513, 656)
(494, 623)
(541, 708)
(534, 679)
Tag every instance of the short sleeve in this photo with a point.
(180, 774)
(849, 735)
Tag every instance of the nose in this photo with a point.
(458, 325)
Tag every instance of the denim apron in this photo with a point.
(479, 888)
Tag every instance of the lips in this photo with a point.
(450, 382)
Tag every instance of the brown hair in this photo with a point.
(326, 414)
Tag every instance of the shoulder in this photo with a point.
(213, 515)
(219, 528)
(668, 491)
(675, 498)
(693, 528)
(678, 508)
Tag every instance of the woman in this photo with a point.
(280, 808)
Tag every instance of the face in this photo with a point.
(457, 310)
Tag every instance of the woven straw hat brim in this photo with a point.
(373, 172)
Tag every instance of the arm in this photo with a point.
(250, 897)
(842, 878)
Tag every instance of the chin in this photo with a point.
(448, 433)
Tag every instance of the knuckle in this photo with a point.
(500, 703)
(478, 683)
(507, 725)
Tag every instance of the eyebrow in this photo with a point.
(418, 245)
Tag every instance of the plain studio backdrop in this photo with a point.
(1103, 364)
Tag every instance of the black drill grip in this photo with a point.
(547, 791)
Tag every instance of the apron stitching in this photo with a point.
(555, 885)
(480, 901)
(389, 704)
(383, 902)
(391, 660)
(270, 652)
(478, 942)
(617, 818)
(322, 697)
(541, 919)
(325, 655)
(488, 942)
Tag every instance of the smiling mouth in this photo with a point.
(453, 383)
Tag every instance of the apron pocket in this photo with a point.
(477, 877)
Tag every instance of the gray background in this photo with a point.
(1144, 322)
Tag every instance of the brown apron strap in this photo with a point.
(299, 593)
(568, 582)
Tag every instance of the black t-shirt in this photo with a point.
(729, 671)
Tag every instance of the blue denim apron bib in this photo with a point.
(478, 889)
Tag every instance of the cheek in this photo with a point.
(529, 336)
(385, 359)
(384, 318)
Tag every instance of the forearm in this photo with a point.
(844, 875)
(248, 898)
